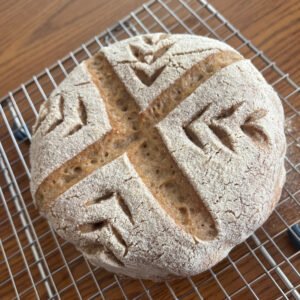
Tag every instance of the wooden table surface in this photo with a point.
(34, 36)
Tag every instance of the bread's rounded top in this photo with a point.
(159, 154)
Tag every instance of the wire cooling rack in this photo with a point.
(35, 263)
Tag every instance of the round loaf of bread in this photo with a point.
(159, 154)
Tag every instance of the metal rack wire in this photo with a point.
(35, 263)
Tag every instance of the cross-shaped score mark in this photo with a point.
(134, 134)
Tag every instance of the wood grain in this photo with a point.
(272, 25)
(33, 36)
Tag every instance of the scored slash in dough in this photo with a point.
(159, 154)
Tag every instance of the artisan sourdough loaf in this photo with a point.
(159, 154)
